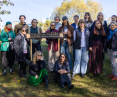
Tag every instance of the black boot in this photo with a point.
(98, 74)
(94, 75)
(82, 75)
(46, 81)
(71, 87)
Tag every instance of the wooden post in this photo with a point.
(31, 49)
(58, 47)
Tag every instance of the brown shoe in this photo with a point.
(111, 75)
(114, 78)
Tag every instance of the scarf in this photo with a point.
(111, 33)
(8, 29)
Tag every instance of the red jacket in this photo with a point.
(55, 42)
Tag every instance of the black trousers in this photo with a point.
(23, 65)
(37, 46)
(8, 58)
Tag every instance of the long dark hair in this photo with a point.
(90, 19)
(66, 59)
(101, 28)
(68, 26)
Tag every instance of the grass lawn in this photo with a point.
(13, 86)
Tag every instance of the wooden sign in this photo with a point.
(44, 35)
(51, 35)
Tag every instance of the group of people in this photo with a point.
(87, 40)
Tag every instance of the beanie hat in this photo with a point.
(7, 23)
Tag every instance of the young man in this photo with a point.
(35, 42)
(22, 19)
(67, 42)
(75, 25)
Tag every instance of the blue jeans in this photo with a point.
(81, 60)
(65, 50)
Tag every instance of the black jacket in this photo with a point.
(34, 69)
(112, 42)
(18, 47)
(77, 43)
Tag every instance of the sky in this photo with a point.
(43, 9)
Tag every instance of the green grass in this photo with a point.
(13, 86)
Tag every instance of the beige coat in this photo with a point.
(19, 26)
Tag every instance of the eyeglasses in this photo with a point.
(39, 55)
(52, 25)
(23, 30)
(56, 19)
(82, 22)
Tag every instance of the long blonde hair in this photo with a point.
(35, 56)
(5, 28)
(102, 15)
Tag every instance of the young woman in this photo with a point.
(100, 17)
(112, 49)
(62, 71)
(37, 70)
(88, 20)
(8, 55)
(35, 42)
(22, 51)
(67, 42)
(81, 41)
(97, 40)
(113, 19)
(52, 48)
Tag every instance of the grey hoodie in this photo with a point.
(58, 25)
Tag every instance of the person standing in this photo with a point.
(97, 40)
(22, 19)
(7, 54)
(100, 17)
(22, 51)
(57, 22)
(81, 41)
(67, 42)
(52, 48)
(75, 25)
(112, 49)
(113, 19)
(88, 20)
(35, 42)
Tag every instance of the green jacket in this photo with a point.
(4, 38)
